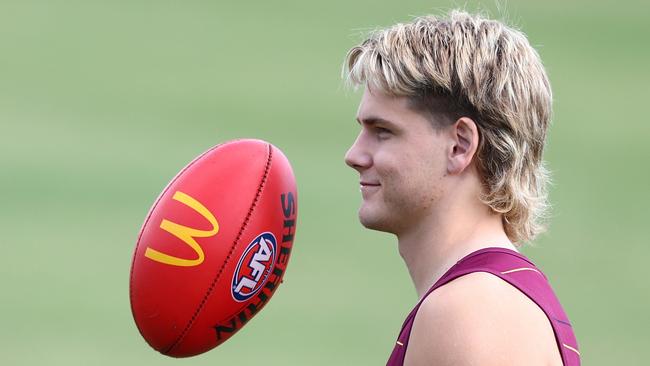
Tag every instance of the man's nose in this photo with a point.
(358, 157)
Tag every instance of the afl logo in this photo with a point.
(254, 267)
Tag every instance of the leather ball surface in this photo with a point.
(214, 247)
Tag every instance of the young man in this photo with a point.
(453, 125)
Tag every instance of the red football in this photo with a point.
(214, 247)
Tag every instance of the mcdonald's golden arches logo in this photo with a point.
(187, 234)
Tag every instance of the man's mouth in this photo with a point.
(368, 188)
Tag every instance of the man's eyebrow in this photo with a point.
(374, 120)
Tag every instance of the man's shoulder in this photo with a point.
(480, 319)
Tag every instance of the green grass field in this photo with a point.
(102, 102)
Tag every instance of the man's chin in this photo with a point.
(373, 221)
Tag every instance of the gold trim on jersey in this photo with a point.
(520, 269)
(571, 348)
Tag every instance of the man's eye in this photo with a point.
(383, 132)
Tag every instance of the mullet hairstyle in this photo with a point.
(467, 65)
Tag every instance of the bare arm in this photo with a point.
(479, 319)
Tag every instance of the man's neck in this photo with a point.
(436, 243)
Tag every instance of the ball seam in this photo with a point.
(230, 252)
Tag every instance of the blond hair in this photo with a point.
(467, 65)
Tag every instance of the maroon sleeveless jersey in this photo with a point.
(521, 273)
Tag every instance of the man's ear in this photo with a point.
(465, 139)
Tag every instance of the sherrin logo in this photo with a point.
(254, 267)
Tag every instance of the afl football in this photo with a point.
(214, 247)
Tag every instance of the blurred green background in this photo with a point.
(102, 102)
